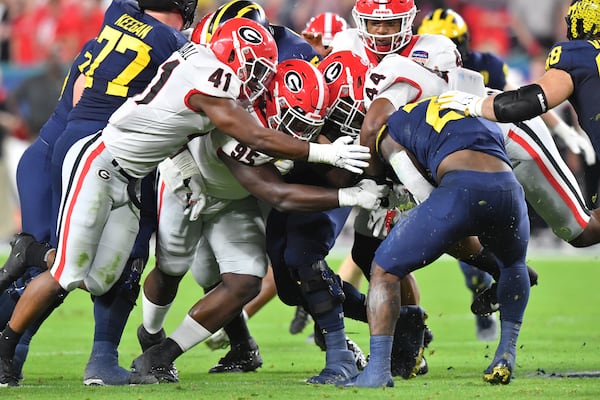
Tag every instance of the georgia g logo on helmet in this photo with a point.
(250, 35)
(332, 72)
(293, 81)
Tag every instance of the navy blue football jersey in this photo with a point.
(431, 134)
(580, 59)
(125, 57)
(493, 69)
(291, 45)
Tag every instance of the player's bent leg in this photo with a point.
(323, 292)
(111, 311)
(384, 293)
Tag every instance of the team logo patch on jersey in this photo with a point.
(250, 35)
(104, 174)
(419, 56)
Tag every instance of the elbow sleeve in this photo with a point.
(521, 104)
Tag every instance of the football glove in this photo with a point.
(341, 154)
(578, 143)
(366, 194)
(469, 104)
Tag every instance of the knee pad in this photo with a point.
(320, 278)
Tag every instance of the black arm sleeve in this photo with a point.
(521, 104)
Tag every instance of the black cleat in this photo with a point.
(486, 301)
(16, 263)
(147, 339)
(301, 319)
(409, 342)
(427, 338)
(241, 358)
(148, 368)
(359, 356)
(8, 375)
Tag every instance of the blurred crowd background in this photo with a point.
(39, 38)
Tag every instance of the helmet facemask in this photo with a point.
(295, 122)
(347, 112)
(388, 43)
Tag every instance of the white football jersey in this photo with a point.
(432, 51)
(401, 81)
(217, 179)
(156, 123)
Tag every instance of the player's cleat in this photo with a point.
(409, 342)
(339, 366)
(423, 367)
(241, 358)
(150, 367)
(318, 337)
(102, 370)
(499, 372)
(8, 375)
(301, 319)
(218, 340)
(148, 340)
(486, 301)
(427, 338)
(359, 355)
(367, 379)
(16, 263)
(487, 327)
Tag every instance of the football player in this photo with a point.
(471, 170)
(570, 75)
(449, 23)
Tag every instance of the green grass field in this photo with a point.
(560, 336)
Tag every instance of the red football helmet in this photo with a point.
(327, 24)
(250, 50)
(344, 74)
(403, 11)
(296, 102)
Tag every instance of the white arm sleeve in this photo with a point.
(410, 176)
